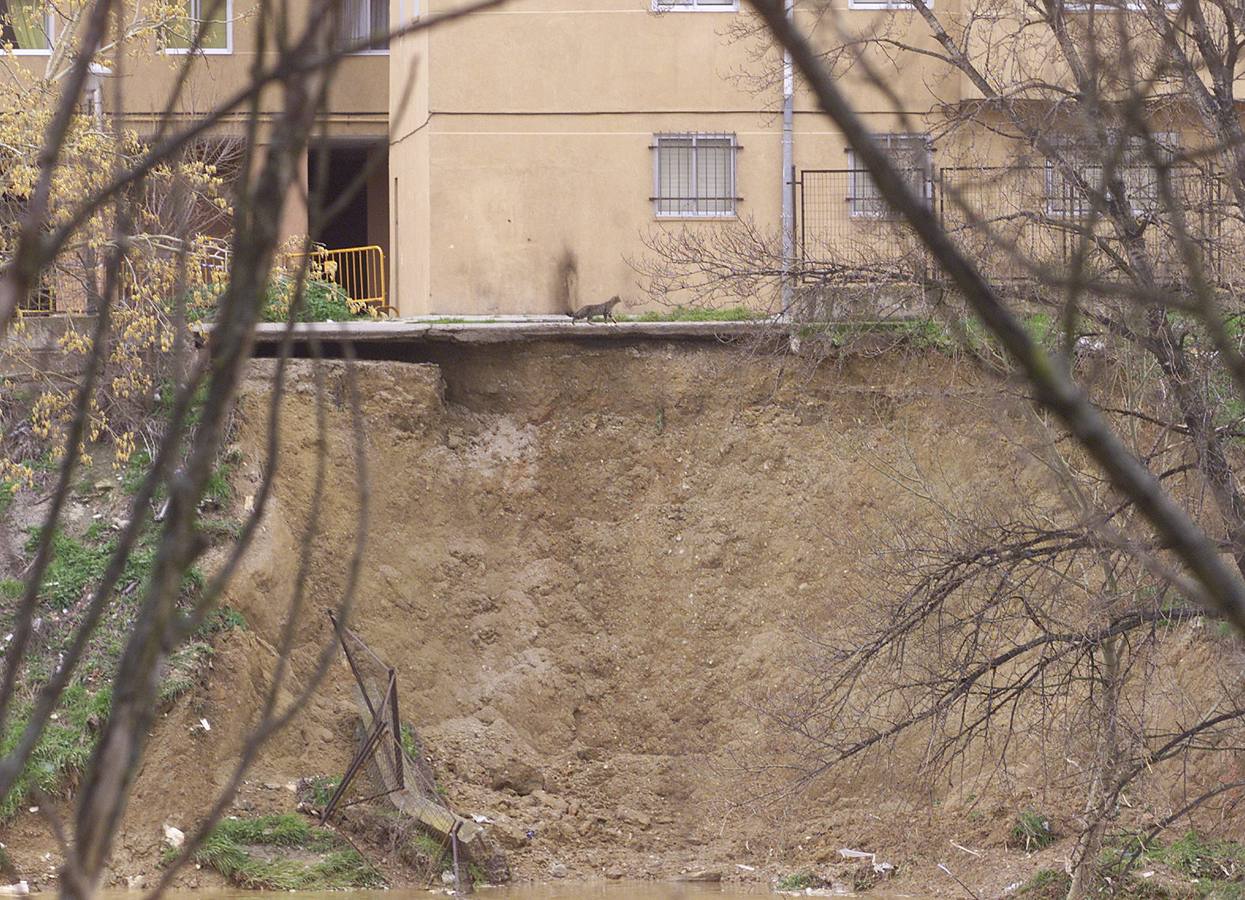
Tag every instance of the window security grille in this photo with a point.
(694, 175)
(1071, 190)
(911, 153)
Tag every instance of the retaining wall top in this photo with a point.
(491, 331)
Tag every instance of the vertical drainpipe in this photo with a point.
(788, 173)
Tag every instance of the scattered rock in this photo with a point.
(509, 836)
(136, 882)
(173, 836)
(636, 818)
(558, 870)
(704, 875)
(519, 777)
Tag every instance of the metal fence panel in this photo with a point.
(1029, 223)
(1017, 223)
(847, 230)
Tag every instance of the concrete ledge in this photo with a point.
(497, 332)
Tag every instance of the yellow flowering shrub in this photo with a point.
(167, 254)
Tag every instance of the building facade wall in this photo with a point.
(536, 147)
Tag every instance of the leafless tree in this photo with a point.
(297, 62)
(1090, 201)
(1016, 630)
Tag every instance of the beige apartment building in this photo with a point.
(556, 132)
(548, 137)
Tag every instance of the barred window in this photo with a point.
(694, 175)
(911, 153)
(1070, 194)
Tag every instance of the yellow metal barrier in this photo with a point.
(360, 271)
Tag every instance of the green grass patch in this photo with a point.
(795, 881)
(321, 788)
(74, 565)
(927, 334)
(410, 743)
(1032, 831)
(247, 852)
(63, 750)
(222, 618)
(216, 528)
(183, 669)
(286, 830)
(10, 588)
(79, 564)
(140, 462)
(97, 531)
(437, 853)
(322, 300)
(1200, 858)
(1046, 883)
(8, 490)
(697, 314)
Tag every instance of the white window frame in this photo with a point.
(695, 137)
(49, 24)
(665, 6)
(854, 172)
(384, 51)
(885, 4)
(207, 51)
(1060, 207)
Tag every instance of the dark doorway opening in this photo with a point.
(362, 219)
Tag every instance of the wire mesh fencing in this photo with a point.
(1021, 224)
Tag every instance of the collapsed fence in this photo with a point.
(390, 751)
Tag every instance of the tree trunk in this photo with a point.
(1102, 790)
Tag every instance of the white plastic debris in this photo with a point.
(881, 868)
(203, 723)
(174, 837)
(17, 889)
(481, 820)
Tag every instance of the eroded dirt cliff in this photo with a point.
(589, 566)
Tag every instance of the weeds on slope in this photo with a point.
(79, 558)
(257, 854)
(1191, 866)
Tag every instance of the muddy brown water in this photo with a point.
(639, 890)
(644, 890)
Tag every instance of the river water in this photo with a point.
(637, 890)
(594, 890)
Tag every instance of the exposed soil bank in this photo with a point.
(588, 564)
